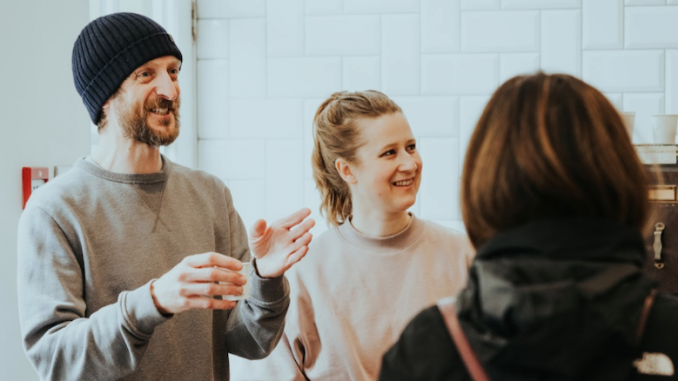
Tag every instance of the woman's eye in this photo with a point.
(388, 153)
(144, 74)
(412, 147)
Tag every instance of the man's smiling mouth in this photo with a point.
(160, 111)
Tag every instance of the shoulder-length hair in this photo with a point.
(549, 146)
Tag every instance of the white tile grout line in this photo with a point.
(265, 49)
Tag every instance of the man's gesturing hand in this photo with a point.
(188, 285)
(279, 246)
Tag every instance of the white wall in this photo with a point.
(264, 67)
(42, 123)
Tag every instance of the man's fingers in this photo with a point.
(294, 218)
(210, 289)
(211, 304)
(302, 229)
(213, 274)
(258, 229)
(213, 259)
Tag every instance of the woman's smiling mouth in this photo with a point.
(404, 183)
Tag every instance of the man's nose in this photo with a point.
(166, 87)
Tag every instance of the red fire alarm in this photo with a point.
(32, 179)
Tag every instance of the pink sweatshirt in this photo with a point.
(352, 296)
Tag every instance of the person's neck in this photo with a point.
(374, 224)
(116, 153)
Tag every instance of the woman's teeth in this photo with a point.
(403, 183)
(161, 111)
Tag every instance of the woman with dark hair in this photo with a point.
(554, 198)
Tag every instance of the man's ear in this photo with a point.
(345, 170)
(106, 108)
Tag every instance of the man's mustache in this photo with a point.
(163, 103)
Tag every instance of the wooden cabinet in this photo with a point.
(661, 236)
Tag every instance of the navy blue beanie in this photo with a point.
(109, 49)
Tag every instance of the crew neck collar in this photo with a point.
(383, 245)
(87, 164)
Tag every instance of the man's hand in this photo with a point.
(278, 247)
(188, 285)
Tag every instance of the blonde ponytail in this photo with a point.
(336, 135)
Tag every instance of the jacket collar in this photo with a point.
(569, 239)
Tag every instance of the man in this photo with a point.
(124, 259)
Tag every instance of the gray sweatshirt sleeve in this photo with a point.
(255, 326)
(61, 339)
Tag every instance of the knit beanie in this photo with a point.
(109, 49)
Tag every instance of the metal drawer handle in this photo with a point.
(659, 227)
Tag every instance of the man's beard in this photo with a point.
(134, 122)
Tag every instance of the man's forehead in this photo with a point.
(163, 61)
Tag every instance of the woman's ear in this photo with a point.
(345, 170)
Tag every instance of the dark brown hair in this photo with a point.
(337, 135)
(549, 146)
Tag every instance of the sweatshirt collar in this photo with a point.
(383, 245)
(88, 165)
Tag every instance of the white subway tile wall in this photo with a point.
(651, 27)
(264, 67)
(603, 24)
(224, 9)
(324, 7)
(671, 81)
(400, 51)
(247, 58)
(440, 26)
(645, 2)
(512, 64)
(480, 5)
(500, 31)
(561, 42)
(343, 35)
(213, 114)
(361, 73)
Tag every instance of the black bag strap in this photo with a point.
(449, 312)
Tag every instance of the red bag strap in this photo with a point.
(449, 312)
(644, 315)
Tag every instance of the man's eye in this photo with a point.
(144, 74)
(412, 147)
(388, 153)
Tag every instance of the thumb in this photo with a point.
(257, 230)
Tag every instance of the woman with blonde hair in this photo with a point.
(378, 265)
(554, 198)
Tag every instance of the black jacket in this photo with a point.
(551, 300)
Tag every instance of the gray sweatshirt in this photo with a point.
(90, 242)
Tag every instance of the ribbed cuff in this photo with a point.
(140, 312)
(268, 290)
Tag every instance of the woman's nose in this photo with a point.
(408, 163)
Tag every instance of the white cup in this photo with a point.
(664, 128)
(629, 119)
(245, 271)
